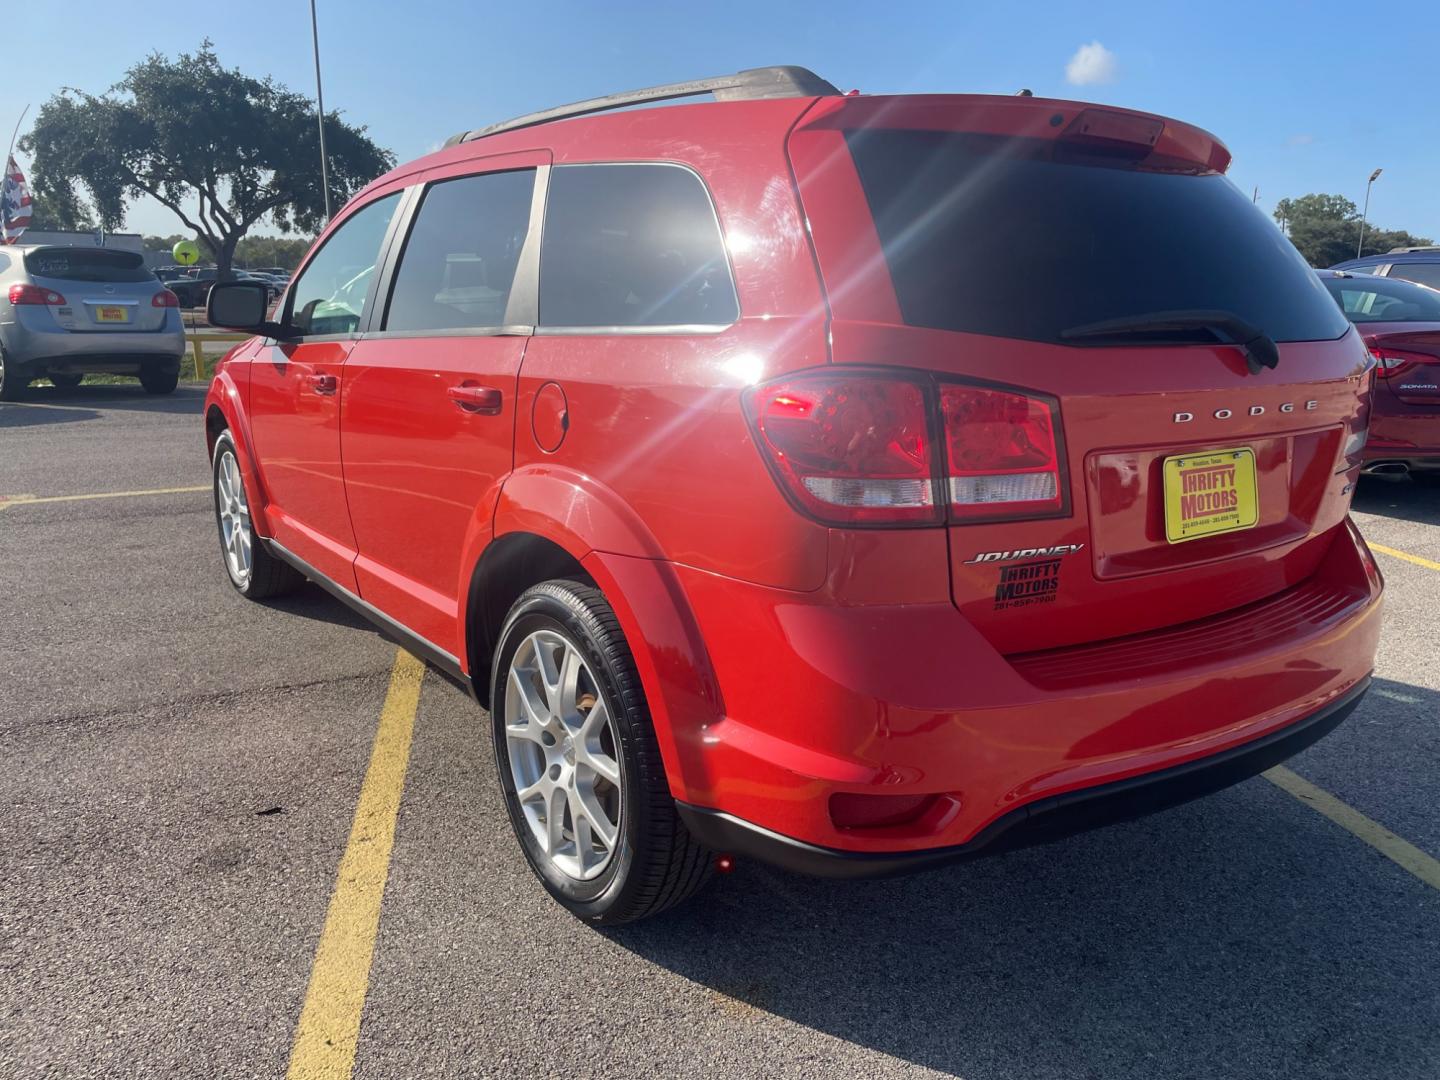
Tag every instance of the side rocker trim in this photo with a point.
(397, 632)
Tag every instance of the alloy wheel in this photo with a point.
(234, 511)
(560, 739)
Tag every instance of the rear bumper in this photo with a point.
(1412, 438)
(1035, 823)
(39, 351)
(815, 700)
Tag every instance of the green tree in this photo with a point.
(223, 150)
(51, 213)
(1326, 229)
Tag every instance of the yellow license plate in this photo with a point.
(111, 314)
(1210, 493)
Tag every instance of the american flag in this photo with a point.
(14, 203)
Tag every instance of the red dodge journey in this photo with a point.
(851, 483)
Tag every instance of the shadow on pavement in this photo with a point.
(18, 414)
(1239, 936)
(188, 398)
(1399, 497)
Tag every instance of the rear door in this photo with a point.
(969, 237)
(295, 392)
(428, 409)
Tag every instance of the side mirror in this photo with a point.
(241, 305)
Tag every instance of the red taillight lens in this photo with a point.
(850, 448)
(165, 298)
(857, 448)
(1002, 454)
(34, 294)
(1392, 362)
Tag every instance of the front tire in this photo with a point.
(255, 573)
(578, 762)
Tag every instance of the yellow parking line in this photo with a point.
(1429, 564)
(1401, 852)
(7, 501)
(329, 1027)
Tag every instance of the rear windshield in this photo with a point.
(1376, 299)
(1005, 237)
(87, 264)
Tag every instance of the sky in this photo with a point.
(1296, 90)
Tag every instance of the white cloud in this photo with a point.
(1300, 140)
(1091, 64)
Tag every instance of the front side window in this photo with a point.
(460, 260)
(1426, 273)
(632, 246)
(329, 297)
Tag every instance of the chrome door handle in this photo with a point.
(485, 400)
(324, 384)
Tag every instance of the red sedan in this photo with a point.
(1400, 322)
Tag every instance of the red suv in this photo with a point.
(853, 483)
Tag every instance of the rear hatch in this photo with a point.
(1158, 406)
(105, 290)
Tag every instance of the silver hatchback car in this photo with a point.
(67, 311)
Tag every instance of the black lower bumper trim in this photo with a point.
(1035, 823)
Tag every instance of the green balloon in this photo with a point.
(186, 253)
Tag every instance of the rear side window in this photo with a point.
(1425, 273)
(632, 246)
(1010, 239)
(459, 263)
(87, 264)
(1375, 299)
(331, 294)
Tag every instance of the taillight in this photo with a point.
(850, 448)
(165, 298)
(1002, 453)
(34, 294)
(1392, 362)
(861, 448)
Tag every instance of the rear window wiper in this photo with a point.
(1258, 347)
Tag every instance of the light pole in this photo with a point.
(1363, 213)
(320, 110)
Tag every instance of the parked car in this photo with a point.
(192, 290)
(69, 311)
(1418, 264)
(1400, 322)
(168, 274)
(279, 273)
(853, 483)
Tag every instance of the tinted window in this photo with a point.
(1426, 273)
(1010, 238)
(329, 297)
(1372, 299)
(460, 260)
(632, 245)
(87, 264)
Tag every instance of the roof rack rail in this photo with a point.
(749, 85)
(1407, 250)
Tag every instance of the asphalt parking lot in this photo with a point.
(180, 770)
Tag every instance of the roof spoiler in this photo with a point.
(749, 85)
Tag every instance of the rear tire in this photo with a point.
(12, 383)
(566, 742)
(255, 573)
(160, 382)
(66, 382)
